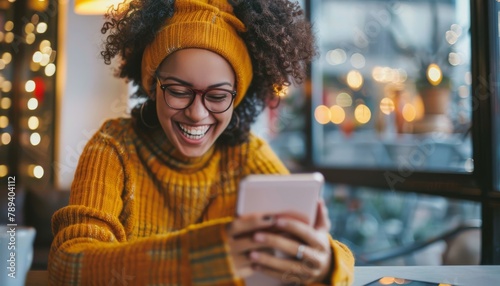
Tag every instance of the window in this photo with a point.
(390, 151)
(28, 42)
(392, 86)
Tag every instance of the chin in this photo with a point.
(193, 152)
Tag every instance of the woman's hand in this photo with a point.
(308, 249)
(241, 242)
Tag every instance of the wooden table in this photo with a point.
(459, 275)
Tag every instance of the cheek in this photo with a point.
(164, 115)
(225, 119)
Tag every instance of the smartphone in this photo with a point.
(402, 281)
(294, 193)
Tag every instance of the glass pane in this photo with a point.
(378, 223)
(496, 100)
(392, 85)
(27, 91)
(37, 114)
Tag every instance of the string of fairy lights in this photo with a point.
(40, 55)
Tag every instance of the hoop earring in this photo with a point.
(144, 122)
(237, 124)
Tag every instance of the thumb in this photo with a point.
(322, 220)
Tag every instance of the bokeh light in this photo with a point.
(362, 113)
(5, 103)
(35, 139)
(38, 172)
(387, 105)
(434, 74)
(344, 99)
(358, 60)
(4, 170)
(30, 86)
(409, 112)
(5, 138)
(336, 57)
(32, 104)
(355, 80)
(322, 114)
(337, 114)
(33, 122)
(4, 121)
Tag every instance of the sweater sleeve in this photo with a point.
(343, 264)
(92, 245)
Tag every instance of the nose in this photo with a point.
(197, 111)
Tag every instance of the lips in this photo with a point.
(194, 132)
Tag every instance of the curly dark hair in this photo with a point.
(278, 37)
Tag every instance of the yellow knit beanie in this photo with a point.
(205, 24)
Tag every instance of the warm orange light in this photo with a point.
(4, 121)
(418, 103)
(355, 80)
(387, 105)
(409, 112)
(94, 7)
(434, 74)
(281, 91)
(386, 280)
(362, 114)
(33, 122)
(38, 5)
(3, 170)
(5, 138)
(322, 114)
(337, 114)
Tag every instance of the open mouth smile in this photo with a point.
(193, 132)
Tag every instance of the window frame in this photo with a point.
(478, 186)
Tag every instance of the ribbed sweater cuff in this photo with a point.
(208, 257)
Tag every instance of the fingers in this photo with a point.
(240, 240)
(303, 232)
(250, 223)
(313, 265)
(250, 235)
(284, 269)
(288, 247)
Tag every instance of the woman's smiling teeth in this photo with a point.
(194, 132)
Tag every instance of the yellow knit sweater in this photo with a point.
(142, 214)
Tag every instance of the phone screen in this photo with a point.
(401, 281)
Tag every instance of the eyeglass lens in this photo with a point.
(180, 97)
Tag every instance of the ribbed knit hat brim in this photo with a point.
(201, 24)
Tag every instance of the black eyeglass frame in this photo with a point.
(195, 92)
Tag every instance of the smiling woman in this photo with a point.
(192, 127)
(154, 196)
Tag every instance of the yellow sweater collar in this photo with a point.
(156, 145)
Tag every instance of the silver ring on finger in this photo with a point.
(300, 252)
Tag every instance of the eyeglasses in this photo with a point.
(180, 97)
